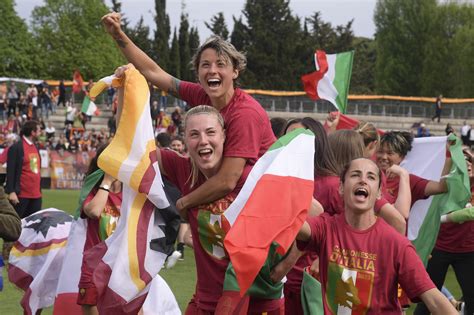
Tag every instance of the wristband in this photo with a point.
(105, 187)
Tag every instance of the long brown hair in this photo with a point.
(324, 161)
(346, 145)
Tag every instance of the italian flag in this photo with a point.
(331, 79)
(426, 160)
(89, 108)
(272, 205)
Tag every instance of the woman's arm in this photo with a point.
(393, 217)
(150, 70)
(403, 202)
(433, 187)
(96, 205)
(437, 303)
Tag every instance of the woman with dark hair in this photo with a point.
(394, 146)
(361, 258)
(101, 208)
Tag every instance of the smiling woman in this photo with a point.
(361, 259)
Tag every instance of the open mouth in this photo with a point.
(361, 192)
(214, 83)
(205, 153)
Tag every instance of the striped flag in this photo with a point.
(67, 290)
(127, 262)
(426, 160)
(331, 79)
(272, 205)
(36, 258)
(89, 108)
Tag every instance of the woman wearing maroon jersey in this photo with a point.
(217, 64)
(204, 137)
(101, 208)
(394, 146)
(361, 259)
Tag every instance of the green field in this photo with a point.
(181, 278)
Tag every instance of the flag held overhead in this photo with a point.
(331, 79)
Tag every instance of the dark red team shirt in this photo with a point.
(30, 178)
(361, 269)
(211, 259)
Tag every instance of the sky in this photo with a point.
(336, 12)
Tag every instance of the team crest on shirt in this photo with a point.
(350, 281)
(34, 163)
(213, 227)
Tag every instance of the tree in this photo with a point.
(184, 50)
(71, 37)
(162, 34)
(218, 26)
(363, 68)
(403, 28)
(239, 35)
(271, 58)
(140, 36)
(17, 47)
(194, 41)
(175, 66)
(448, 52)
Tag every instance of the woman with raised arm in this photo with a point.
(218, 65)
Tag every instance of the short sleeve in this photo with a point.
(417, 186)
(412, 274)
(243, 134)
(318, 230)
(379, 203)
(193, 94)
(177, 168)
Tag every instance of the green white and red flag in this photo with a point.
(89, 107)
(272, 205)
(331, 79)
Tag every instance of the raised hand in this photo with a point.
(113, 24)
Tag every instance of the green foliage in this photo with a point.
(424, 47)
(184, 49)
(70, 36)
(140, 36)
(363, 68)
(218, 26)
(271, 56)
(194, 41)
(162, 34)
(17, 47)
(175, 65)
